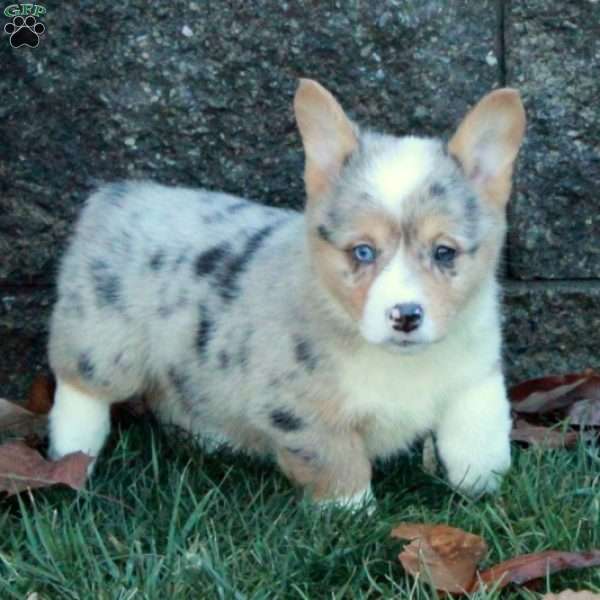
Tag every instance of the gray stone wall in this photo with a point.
(199, 93)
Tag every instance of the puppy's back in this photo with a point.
(143, 262)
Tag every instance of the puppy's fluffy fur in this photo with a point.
(327, 339)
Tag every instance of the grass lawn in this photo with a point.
(162, 520)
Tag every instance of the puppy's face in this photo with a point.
(403, 231)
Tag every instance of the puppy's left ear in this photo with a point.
(487, 143)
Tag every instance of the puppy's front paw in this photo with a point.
(478, 473)
(474, 436)
(364, 500)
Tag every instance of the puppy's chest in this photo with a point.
(393, 401)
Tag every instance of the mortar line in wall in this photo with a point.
(500, 41)
(548, 284)
(16, 288)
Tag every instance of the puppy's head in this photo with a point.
(404, 231)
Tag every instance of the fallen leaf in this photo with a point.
(23, 468)
(571, 595)
(585, 413)
(531, 566)
(20, 421)
(41, 394)
(555, 393)
(545, 437)
(446, 556)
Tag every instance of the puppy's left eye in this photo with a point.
(444, 255)
(364, 253)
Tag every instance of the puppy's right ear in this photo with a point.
(327, 134)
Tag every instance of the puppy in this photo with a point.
(325, 340)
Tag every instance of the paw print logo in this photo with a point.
(24, 32)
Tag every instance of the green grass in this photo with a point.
(162, 520)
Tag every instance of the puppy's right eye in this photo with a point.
(364, 254)
(444, 255)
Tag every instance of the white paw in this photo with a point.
(363, 500)
(473, 438)
(78, 422)
(479, 474)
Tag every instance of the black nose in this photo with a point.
(406, 317)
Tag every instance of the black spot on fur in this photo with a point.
(437, 189)
(85, 366)
(178, 380)
(453, 158)
(208, 261)
(243, 354)
(472, 216)
(107, 285)
(157, 260)
(304, 354)
(223, 359)
(285, 420)
(203, 334)
(346, 160)
(325, 234)
(165, 311)
(228, 278)
(183, 386)
(233, 208)
(123, 361)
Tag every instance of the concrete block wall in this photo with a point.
(199, 93)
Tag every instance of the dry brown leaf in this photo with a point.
(555, 393)
(444, 555)
(41, 394)
(447, 557)
(531, 566)
(545, 437)
(585, 413)
(23, 468)
(19, 421)
(571, 595)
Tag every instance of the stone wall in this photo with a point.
(199, 93)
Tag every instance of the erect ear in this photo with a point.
(487, 142)
(327, 134)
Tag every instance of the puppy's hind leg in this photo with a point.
(79, 420)
(332, 467)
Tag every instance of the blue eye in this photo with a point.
(444, 254)
(363, 253)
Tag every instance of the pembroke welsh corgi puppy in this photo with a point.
(325, 340)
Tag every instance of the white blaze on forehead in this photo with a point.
(400, 170)
(396, 284)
